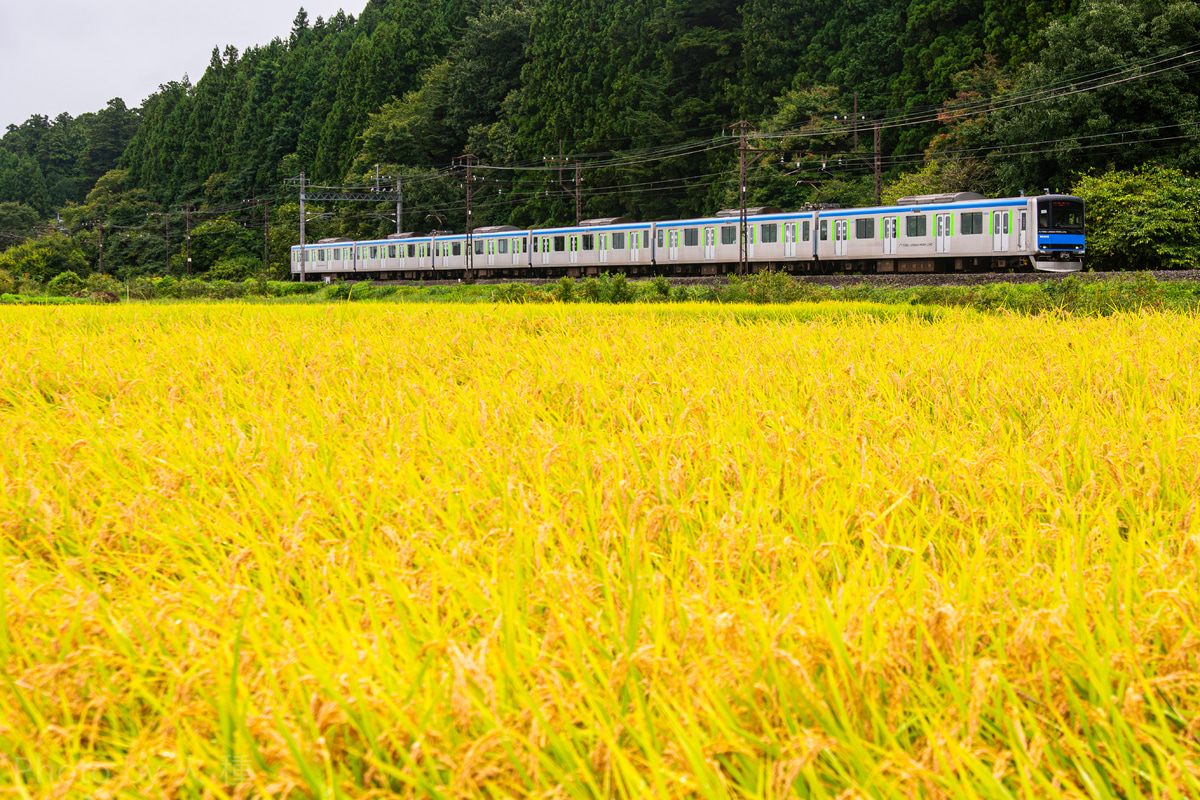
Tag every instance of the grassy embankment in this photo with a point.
(571, 551)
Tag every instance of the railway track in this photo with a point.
(897, 281)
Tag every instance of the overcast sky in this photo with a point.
(75, 56)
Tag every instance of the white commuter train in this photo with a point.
(963, 232)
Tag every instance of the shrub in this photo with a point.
(168, 287)
(7, 284)
(592, 291)
(225, 290)
(143, 289)
(235, 269)
(254, 287)
(619, 290)
(661, 287)
(98, 282)
(288, 288)
(64, 284)
(192, 288)
(564, 290)
(28, 287)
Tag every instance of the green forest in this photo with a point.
(628, 107)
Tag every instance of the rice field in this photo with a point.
(350, 551)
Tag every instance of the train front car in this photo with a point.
(1060, 235)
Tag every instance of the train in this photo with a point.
(954, 232)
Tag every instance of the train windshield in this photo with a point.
(1060, 214)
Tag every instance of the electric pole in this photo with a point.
(399, 206)
(878, 166)
(187, 221)
(102, 245)
(744, 150)
(560, 160)
(266, 236)
(468, 161)
(302, 239)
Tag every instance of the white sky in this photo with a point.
(75, 56)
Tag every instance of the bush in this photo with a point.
(288, 288)
(564, 290)
(618, 288)
(98, 282)
(254, 287)
(65, 284)
(591, 291)
(225, 290)
(520, 293)
(168, 287)
(661, 287)
(235, 269)
(28, 287)
(192, 288)
(143, 289)
(7, 284)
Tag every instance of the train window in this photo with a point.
(824, 230)
(618, 241)
(374, 252)
(535, 244)
(478, 248)
(636, 239)
(915, 225)
(504, 247)
(660, 238)
(728, 234)
(691, 237)
(456, 248)
(1068, 214)
(589, 241)
(412, 251)
(560, 243)
(806, 230)
(391, 251)
(770, 233)
(864, 229)
(972, 223)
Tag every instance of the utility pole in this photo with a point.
(266, 235)
(187, 221)
(468, 161)
(878, 166)
(302, 239)
(168, 218)
(744, 150)
(399, 206)
(102, 245)
(856, 123)
(560, 160)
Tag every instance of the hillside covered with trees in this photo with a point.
(640, 95)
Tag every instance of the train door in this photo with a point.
(673, 244)
(573, 248)
(1022, 243)
(751, 236)
(514, 245)
(545, 249)
(1000, 231)
(789, 240)
(602, 246)
(710, 243)
(635, 246)
(890, 227)
(841, 236)
(941, 234)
